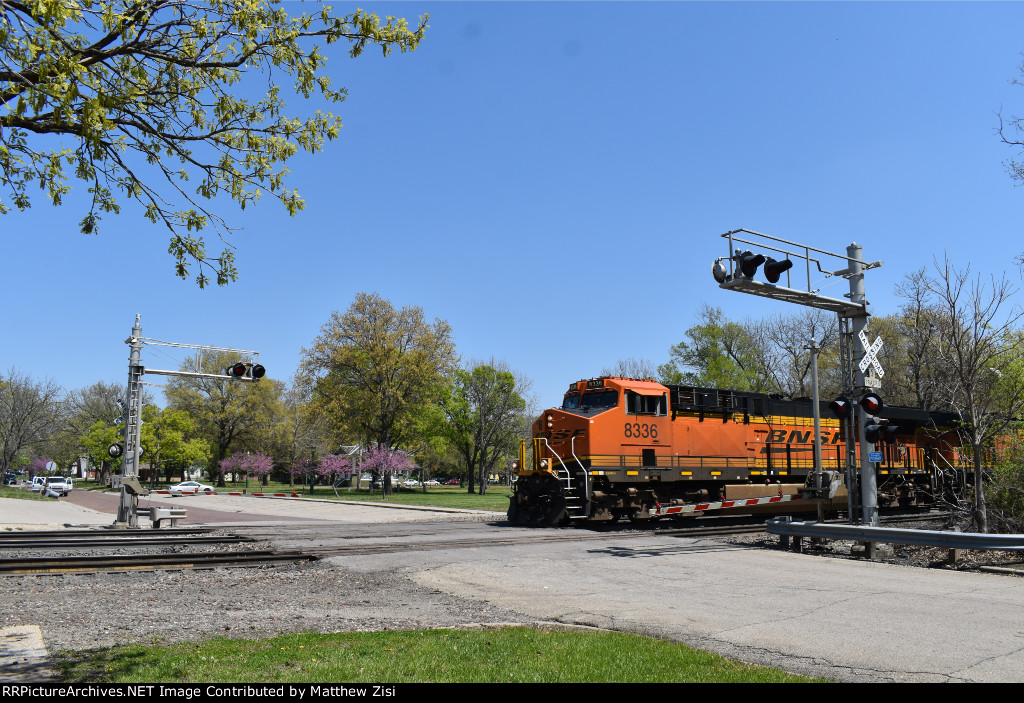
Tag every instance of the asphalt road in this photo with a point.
(834, 618)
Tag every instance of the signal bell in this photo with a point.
(719, 271)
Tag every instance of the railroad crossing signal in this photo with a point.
(840, 407)
(774, 269)
(871, 403)
(880, 431)
(245, 370)
(747, 263)
(870, 354)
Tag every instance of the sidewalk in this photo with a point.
(16, 514)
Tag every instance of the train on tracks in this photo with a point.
(631, 448)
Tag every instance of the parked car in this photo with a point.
(192, 487)
(453, 482)
(410, 483)
(431, 482)
(59, 485)
(10, 478)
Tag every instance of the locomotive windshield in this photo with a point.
(600, 399)
(592, 400)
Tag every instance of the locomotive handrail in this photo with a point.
(552, 450)
(586, 478)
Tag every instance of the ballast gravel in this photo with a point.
(86, 611)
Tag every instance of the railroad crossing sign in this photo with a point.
(870, 354)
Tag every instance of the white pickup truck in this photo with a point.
(54, 484)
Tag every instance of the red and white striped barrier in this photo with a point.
(184, 493)
(721, 505)
(293, 494)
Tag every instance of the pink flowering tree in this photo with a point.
(384, 462)
(257, 465)
(299, 467)
(37, 464)
(260, 466)
(334, 466)
(231, 464)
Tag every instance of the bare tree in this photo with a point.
(980, 349)
(30, 414)
(782, 343)
(632, 367)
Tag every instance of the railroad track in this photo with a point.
(37, 566)
(84, 539)
(72, 541)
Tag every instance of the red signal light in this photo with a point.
(871, 403)
(774, 269)
(840, 407)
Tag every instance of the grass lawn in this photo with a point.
(495, 499)
(510, 655)
(21, 493)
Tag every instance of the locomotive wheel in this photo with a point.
(513, 511)
(554, 511)
(538, 502)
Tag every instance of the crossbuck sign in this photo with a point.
(870, 354)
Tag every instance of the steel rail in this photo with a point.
(57, 543)
(104, 563)
(97, 534)
(484, 543)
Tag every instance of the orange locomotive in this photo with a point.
(621, 447)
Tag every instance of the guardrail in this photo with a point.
(893, 535)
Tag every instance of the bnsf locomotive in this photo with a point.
(621, 447)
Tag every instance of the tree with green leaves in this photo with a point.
(141, 100)
(717, 353)
(96, 443)
(375, 369)
(170, 438)
(485, 417)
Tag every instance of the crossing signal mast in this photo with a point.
(131, 450)
(861, 371)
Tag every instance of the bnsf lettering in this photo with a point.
(565, 434)
(797, 437)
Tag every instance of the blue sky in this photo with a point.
(552, 178)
